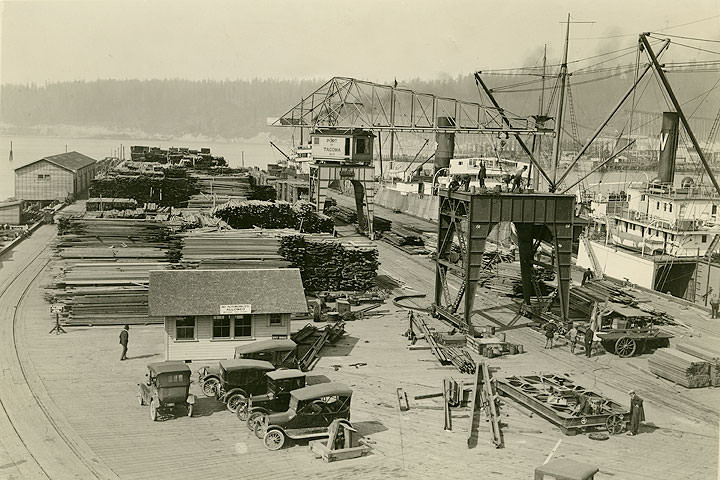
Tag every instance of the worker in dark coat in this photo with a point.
(587, 275)
(124, 334)
(517, 179)
(715, 305)
(550, 329)
(637, 412)
(454, 184)
(588, 340)
(482, 174)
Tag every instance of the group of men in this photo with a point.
(463, 181)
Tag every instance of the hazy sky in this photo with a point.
(370, 39)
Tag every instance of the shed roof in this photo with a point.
(72, 161)
(203, 292)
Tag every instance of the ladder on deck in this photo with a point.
(593, 259)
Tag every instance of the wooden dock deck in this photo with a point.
(70, 410)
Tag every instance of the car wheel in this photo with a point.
(209, 386)
(274, 440)
(235, 401)
(259, 428)
(252, 420)
(153, 411)
(190, 410)
(242, 411)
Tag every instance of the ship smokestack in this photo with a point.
(668, 147)
(445, 144)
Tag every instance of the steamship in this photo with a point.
(658, 234)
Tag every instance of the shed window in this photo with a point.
(703, 239)
(361, 145)
(221, 327)
(657, 206)
(185, 328)
(275, 319)
(347, 147)
(671, 207)
(714, 209)
(43, 176)
(243, 326)
(664, 207)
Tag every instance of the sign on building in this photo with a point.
(241, 309)
(329, 147)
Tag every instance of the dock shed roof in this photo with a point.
(209, 292)
(72, 161)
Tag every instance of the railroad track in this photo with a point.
(87, 467)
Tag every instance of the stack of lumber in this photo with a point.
(211, 250)
(460, 358)
(205, 201)
(229, 185)
(381, 224)
(331, 265)
(708, 352)
(105, 293)
(256, 213)
(344, 214)
(102, 204)
(114, 238)
(582, 299)
(680, 368)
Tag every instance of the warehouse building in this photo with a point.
(207, 313)
(57, 177)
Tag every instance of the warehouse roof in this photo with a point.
(72, 161)
(215, 292)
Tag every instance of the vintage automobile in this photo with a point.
(167, 387)
(277, 398)
(240, 378)
(627, 331)
(281, 353)
(310, 412)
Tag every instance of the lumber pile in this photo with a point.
(169, 190)
(105, 293)
(311, 340)
(256, 213)
(102, 204)
(211, 250)
(344, 214)
(709, 353)
(460, 358)
(227, 185)
(331, 265)
(680, 368)
(206, 201)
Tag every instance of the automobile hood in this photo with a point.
(280, 418)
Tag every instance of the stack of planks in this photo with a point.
(205, 201)
(105, 293)
(229, 185)
(708, 352)
(209, 250)
(680, 368)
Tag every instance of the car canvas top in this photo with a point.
(287, 373)
(245, 364)
(168, 367)
(284, 345)
(321, 390)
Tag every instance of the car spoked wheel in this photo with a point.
(253, 419)
(153, 411)
(242, 411)
(259, 427)
(209, 387)
(274, 440)
(236, 401)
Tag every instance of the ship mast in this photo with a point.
(561, 104)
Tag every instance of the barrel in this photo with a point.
(513, 349)
(520, 348)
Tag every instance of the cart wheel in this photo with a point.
(625, 347)
(252, 419)
(209, 386)
(615, 424)
(235, 401)
(274, 440)
(190, 410)
(153, 411)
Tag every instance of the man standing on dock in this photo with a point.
(588, 341)
(482, 173)
(715, 305)
(587, 275)
(637, 412)
(550, 329)
(517, 179)
(124, 334)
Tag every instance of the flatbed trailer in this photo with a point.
(571, 407)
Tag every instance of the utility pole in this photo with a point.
(537, 141)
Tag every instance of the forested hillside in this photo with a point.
(239, 109)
